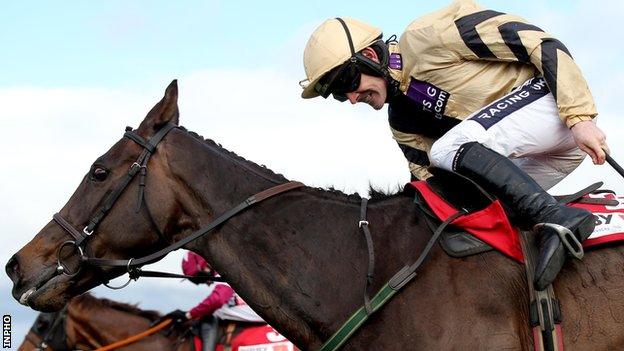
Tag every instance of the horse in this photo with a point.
(88, 323)
(299, 258)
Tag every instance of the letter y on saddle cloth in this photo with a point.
(446, 192)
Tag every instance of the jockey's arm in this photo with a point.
(220, 296)
(494, 36)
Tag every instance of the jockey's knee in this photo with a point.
(442, 153)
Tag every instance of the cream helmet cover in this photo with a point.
(328, 47)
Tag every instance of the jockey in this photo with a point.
(478, 92)
(222, 294)
(222, 303)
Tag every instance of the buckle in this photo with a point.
(87, 233)
(304, 83)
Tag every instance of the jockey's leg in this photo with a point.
(548, 170)
(479, 148)
(531, 203)
(209, 327)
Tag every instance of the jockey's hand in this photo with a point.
(201, 277)
(176, 316)
(591, 140)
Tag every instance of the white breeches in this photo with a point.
(524, 126)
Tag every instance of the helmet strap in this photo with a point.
(371, 67)
(346, 29)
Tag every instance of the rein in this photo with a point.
(134, 338)
(133, 265)
(398, 281)
(254, 199)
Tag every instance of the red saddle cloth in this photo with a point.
(492, 226)
(259, 338)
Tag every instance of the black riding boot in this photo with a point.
(532, 204)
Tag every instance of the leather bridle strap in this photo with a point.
(134, 263)
(79, 236)
(363, 224)
(398, 281)
(140, 164)
(138, 273)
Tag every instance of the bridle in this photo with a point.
(80, 238)
(54, 335)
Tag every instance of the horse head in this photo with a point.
(117, 222)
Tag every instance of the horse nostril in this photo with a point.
(12, 269)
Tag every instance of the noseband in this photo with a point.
(140, 167)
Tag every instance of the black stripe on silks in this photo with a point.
(468, 32)
(509, 32)
(407, 116)
(531, 91)
(550, 63)
(414, 155)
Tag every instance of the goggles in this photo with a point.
(340, 81)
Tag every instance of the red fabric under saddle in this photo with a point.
(492, 226)
(259, 338)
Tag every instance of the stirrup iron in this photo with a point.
(569, 240)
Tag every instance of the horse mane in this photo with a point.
(376, 195)
(88, 300)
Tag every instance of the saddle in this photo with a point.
(462, 193)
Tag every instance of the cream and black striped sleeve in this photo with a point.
(491, 35)
(415, 148)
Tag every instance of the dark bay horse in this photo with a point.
(89, 323)
(300, 260)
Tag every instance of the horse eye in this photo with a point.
(99, 174)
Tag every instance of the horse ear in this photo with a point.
(165, 111)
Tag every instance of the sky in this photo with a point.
(75, 73)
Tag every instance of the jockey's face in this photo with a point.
(372, 91)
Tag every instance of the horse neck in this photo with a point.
(298, 259)
(31, 341)
(93, 326)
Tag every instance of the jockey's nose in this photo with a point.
(352, 96)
